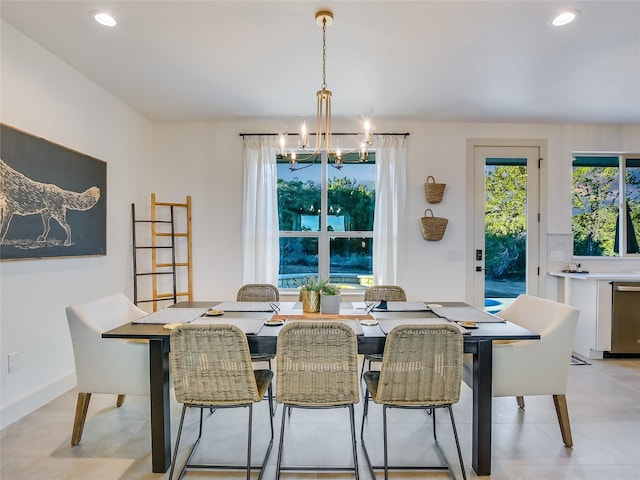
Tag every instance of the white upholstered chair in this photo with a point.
(536, 367)
(105, 365)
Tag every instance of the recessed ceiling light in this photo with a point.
(564, 18)
(104, 19)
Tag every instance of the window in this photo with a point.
(605, 205)
(326, 221)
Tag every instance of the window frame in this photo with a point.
(620, 204)
(324, 236)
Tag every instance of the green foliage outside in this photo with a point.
(354, 199)
(505, 222)
(296, 198)
(347, 198)
(595, 205)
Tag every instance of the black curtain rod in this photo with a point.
(405, 134)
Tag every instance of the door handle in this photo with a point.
(480, 269)
(626, 288)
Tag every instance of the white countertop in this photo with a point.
(617, 277)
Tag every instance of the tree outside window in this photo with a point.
(605, 205)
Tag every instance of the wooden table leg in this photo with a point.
(160, 406)
(482, 399)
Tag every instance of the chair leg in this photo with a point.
(175, 452)
(353, 441)
(193, 448)
(120, 401)
(520, 402)
(384, 442)
(367, 395)
(286, 410)
(82, 405)
(455, 434)
(273, 406)
(266, 455)
(249, 442)
(560, 401)
(364, 446)
(439, 447)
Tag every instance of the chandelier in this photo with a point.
(324, 132)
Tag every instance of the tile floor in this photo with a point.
(604, 407)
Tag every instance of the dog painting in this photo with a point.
(52, 200)
(20, 195)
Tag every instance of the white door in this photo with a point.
(506, 224)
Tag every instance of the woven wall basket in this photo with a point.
(433, 228)
(433, 190)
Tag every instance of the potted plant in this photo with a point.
(310, 294)
(330, 299)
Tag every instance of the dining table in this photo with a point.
(262, 338)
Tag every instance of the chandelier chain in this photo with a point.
(324, 54)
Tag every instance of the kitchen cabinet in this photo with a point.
(592, 294)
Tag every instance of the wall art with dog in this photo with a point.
(53, 201)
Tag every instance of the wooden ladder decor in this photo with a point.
(171, 253)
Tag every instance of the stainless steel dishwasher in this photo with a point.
(625, 321)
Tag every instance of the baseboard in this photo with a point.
(14, 412)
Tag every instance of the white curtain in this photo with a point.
(389, 219)
(260, 234)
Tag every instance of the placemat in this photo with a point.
(387, 325)
(351, 321)
(172, 315)
(466, 314)
(402, 307)
(250, 326)
(245, 306)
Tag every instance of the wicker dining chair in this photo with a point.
(421, 368)
(258, 292)
(317, 367)
(388, 293)
(212, 368)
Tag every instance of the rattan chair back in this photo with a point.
(317, 364)
(258, 292)
(211, 364)
(390, 293)
(421, 365)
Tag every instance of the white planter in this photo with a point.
(330, 304)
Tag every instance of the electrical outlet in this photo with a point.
(14, 361)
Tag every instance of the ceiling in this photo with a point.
(495, 61)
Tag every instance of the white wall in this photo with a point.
(43, 96)
(205, 161)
